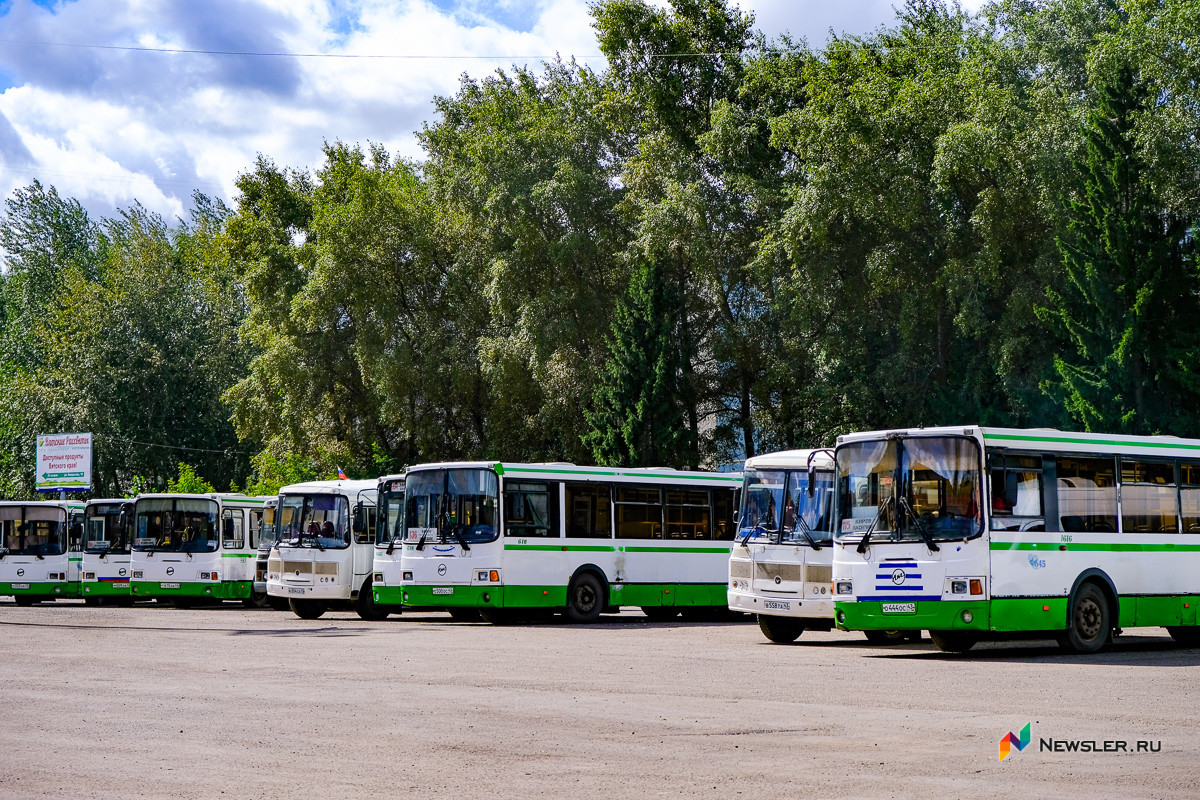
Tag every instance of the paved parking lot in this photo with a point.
(228, 702)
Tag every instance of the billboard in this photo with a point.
(64, 462)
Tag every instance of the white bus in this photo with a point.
(389, 542)
(976, 533)
(266, 543)
(192, 548)
(106, 547)
(323, 556)
(500, 537)
(781, 566)
(39, 549)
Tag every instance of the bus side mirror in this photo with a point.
(812, 476)
(359, 519)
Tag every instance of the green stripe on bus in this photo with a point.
(1100, 442)
(627, 474)
(722, 550)
(1093, 547)
(579, 548)
(239, 555)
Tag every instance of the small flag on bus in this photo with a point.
(342, 475)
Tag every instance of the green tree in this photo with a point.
(639, 401)
(1131, 292)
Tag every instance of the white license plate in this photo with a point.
(899, 608)
(777, 604)
(20, 585)
(443, 590)
(169, 585)
(296, 590)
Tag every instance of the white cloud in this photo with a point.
(111, 126)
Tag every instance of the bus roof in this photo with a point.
(791, 459)
(1050, 440)
(560, 470)
(347, 487)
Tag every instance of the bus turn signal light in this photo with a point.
(976, 586)
(494, 576)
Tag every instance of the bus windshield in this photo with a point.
(33, 531)
(269, 533)
(451, 505)
(314, 520)
(107, 527)
(916, 488)
(776, 506)
(390, 527)
(176, 525)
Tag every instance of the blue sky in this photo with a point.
(96, 100)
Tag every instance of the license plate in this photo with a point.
(20, 585)
(777, 604)
(169, 585)
(296, 590)
(899, 608)
(120, 585)
(443, 590)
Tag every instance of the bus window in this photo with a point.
(1148, 497)
(723, 508)
(531, 509)
(232, 536)
(1087, 494)
(639, 512)
(687, 514)
(589, 512)
(1016, 485)
(1189, 495)
(256, 518)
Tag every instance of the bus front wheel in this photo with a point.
(781, 630)
(366, 607)
(585, 598)
(256, 599)
(307, 609)
(1188, 636)
(24, 600)
(954, 641)
(889, 637)
(1088, 623)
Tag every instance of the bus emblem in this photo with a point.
(898, 577)
(170, 570)
(441, 569)
(20, 573)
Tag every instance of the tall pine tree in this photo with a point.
(1127, 307)
(640, 398)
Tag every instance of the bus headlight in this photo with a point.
(958, 587)
(406, 576)
(843, 587)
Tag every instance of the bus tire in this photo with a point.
(660, 613)
(585, 598)
(182, 602)
(954, 641)
(1187, 635)
(256, 600)
(366, 607)
(307, 609)
(888, 637)
(1088, 620)
(278, 603)
(93, 601)
(781, 630)
(24, 600)
(465, 614)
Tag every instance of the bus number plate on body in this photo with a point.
(777, 604)
(443, 590)
(20, 585)
(295, 590)
(899, 608)
(169, 585)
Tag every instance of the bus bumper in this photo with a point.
(930, 615)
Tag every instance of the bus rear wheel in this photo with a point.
(307, 609)
(660, 613)
(24, 600)
(256, 599)
(781, 630)
(366, 607)
(1088, 623)
(954, 641)
(1188, 635)
(585, 598)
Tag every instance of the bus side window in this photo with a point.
(256, 518)
(589, 511)
(232, 537)
(687, 514)
(639, 512)
(724, 509)
(364, 532)
(1189, 495)
(531, 509)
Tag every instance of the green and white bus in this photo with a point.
(106, 547)
(323, 556)
(976, 533)
(389, 542)
(39, 549)
(192, 548)
(501, 537)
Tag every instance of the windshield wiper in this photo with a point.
(752, 532)
(802, 526)
(3, 552)
(392, 544)
(866, 537)
(933, 548)
(461, 540)
(421, 541)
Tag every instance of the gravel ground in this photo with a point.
(229, 702)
